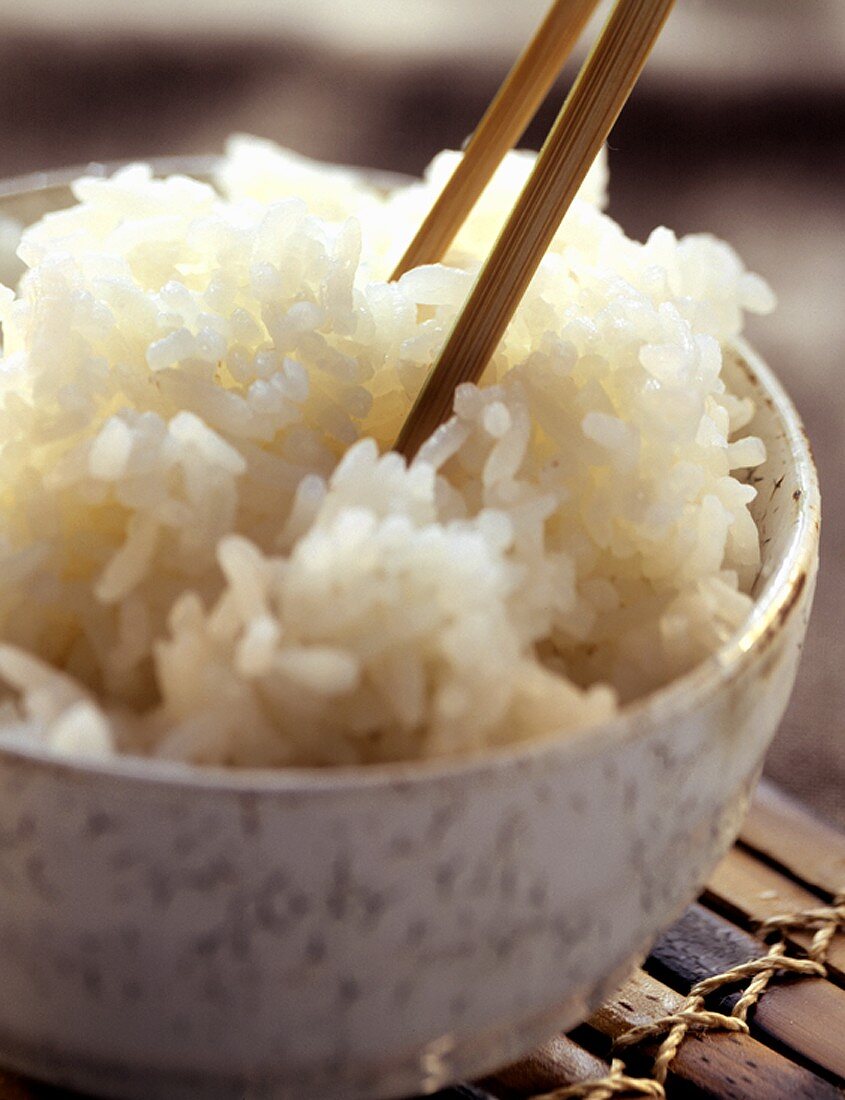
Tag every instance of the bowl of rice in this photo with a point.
(324, 774)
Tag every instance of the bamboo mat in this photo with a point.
(786, 860)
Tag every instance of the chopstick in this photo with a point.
(592, 106)
(503, 124)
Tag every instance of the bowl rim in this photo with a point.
(775, 603)
(47, 179)
(195, 165)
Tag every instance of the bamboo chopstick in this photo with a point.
(503, 124)
(592, 106)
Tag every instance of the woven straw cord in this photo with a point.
(692, 1015)
(616, 1083)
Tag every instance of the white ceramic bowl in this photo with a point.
(169, 933)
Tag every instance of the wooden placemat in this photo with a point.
(786, 861)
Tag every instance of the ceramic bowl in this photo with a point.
(172, 933)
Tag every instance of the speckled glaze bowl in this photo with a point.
(175, 933)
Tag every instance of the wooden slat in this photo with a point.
(807, 1016)
(749, 891)
(559, 1062)
(716, 1064)
(720, 1064)
(790, 836)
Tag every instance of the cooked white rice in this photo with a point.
(208, 552)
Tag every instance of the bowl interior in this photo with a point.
(786, 508)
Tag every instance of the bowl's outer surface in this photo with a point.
(368, 933)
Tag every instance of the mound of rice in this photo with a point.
(208, 552)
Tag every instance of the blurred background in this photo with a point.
(737, 127)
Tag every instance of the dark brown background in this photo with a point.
(737, 128)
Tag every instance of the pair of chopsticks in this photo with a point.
(585, 120)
